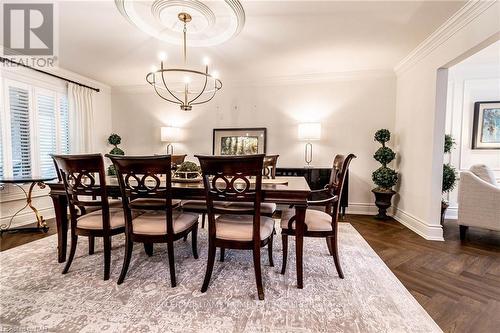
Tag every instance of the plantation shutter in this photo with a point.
(20, 131)
(45, 104)
(64, 125)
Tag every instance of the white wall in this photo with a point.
(12, 198)
(420, 117)
(469, 83)
(349, 109)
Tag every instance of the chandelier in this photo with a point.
(184, 86)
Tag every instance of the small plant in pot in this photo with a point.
(449, 175)
(384, 177)
(114, 139)
(187, 171)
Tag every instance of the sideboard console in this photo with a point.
(317, 178)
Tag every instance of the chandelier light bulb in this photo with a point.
(206, 61)
(162, 56)
(187, 79)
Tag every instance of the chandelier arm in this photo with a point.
(163, 97)
(201, 92)
(208, 100)
(166, 87)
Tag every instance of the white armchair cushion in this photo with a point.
(478, 202)
(483, 172)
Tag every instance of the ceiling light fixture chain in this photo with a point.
(210, 82)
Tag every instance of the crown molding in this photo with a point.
(311, 78)
(455, 23)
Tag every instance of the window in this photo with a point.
(34, 125)
(20, 131)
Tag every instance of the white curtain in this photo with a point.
(81, 110)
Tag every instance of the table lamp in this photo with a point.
(309, 132)
(169, 134)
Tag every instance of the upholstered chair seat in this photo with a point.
(315, 220)
(94, 219)
(113, 203)
(201, 205)
(266, 208)
(240, 227)
(153, 223)
(152, 203)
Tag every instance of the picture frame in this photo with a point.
(486, 125)
(239, 141)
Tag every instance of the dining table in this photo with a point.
(290, 191)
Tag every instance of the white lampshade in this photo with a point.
(169, 134)
(310, 131)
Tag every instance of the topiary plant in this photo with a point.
(449, 172)
(384, 177)
(449, 178)
(449, 143)
(114, 139)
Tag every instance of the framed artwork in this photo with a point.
(239, 141)
(486, 125)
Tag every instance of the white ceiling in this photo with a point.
(280, 38)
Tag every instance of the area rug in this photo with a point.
(36, 297)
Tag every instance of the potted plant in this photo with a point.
(449, 175)
(187, 172)
(384, 177)
(114, 139)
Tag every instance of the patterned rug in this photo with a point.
(36, 297)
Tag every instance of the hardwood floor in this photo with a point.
(457, 283)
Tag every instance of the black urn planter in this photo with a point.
(383, 202)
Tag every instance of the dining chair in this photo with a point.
(269, 167)
(139, 179)
(177, 160)
(321, 223)
(85, 184)
(227, 179)
(267, 208)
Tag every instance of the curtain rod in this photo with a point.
(3, 60)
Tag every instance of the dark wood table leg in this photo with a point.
(61, 209)
(300, 214)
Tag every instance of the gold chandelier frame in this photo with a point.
(158, 80)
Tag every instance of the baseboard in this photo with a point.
(27, 216)
(362, 208)
(451, 213)
(420, 227)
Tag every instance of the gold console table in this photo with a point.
(19, 182)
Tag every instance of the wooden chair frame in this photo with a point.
(330, 198)
(140, 169)
(228, 170)
(269, 166)
(78, 175)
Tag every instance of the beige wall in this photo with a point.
(350, 111)
(420, 114)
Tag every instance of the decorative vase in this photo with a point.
(383, 202)
(444, 207)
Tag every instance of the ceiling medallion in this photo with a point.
(212, 22)
(197, 87)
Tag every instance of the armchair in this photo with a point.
(478, 200)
